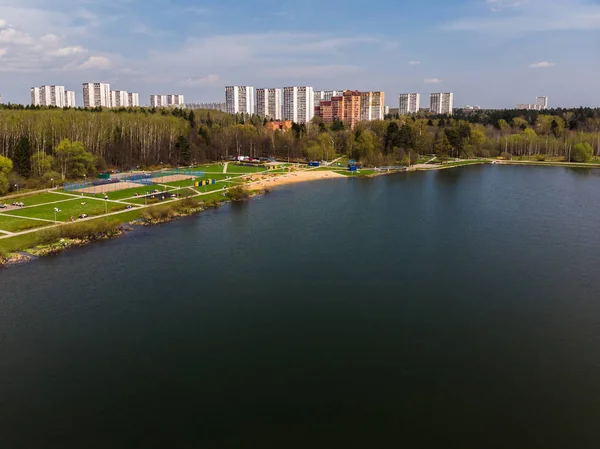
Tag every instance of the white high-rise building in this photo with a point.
(442, 103)
(70, 99)
(175, 100)
(35, 96)
(298, 104)
(133, 99)
(326, 95)
(48, 96)
(268, 103)
(239, 99)
(158, 101)
(119, 99)
(409, 104)
(96, 94)
(541, 103)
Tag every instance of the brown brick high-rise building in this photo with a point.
(351, 108)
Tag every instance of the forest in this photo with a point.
(39, 146)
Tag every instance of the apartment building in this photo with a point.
(239, 99)
(409, 104)
(119, 99)
(441, 103)
(325, 111)
(70, 99)
(298, 104)
(175, 100)
(158, 101)
(96, 94)
(133, 99)
(541, 103)
(210, 106)
(268, 103)
(351, 107)
(48, 96)
(372, 106)
(326, 95)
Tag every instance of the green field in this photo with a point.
(12, 224)
(233, 168)
(69, 208)
(33, 200)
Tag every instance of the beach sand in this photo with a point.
(261, 182)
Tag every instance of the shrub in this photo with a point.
(582, 152)
(238, 193)
(540, 157)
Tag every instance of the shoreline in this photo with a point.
(258, 184)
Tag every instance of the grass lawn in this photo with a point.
(40, 198)
(69, 208)
(233, 168)
(12, 224)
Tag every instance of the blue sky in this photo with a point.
(494, 53)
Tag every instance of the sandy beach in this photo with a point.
(261, 182)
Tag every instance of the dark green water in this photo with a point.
(458, 309)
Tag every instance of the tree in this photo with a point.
(41, 163)
(183, 150)
(4, 186)
(21, 156)
(582, 152)
(6, 165)
(442, 146)
(72, 160)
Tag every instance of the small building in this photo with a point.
(284, 125)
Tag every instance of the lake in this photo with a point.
(450, 309)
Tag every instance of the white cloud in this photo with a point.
(542, 65)
(532, 16)
(96, 62)
(432, 81)
(209, 80)
(414, 62)
(499, 5)
(67, 51)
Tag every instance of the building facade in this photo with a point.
(240, 99)
(70, 99)
(96, 94)
(210, 106)
(351, 108)
(542, 103)
(372, 106)
(158, 101)
(298, 104)
(326, 95)
(325, 111)
(48, 96)
(133, 99)
(268, 103)
(441, 103)
(409, 104)
(175, 100)
(119, 99)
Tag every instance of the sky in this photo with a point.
(492, 53)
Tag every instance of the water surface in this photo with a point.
(458, 308)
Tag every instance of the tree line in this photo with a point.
(45, 144)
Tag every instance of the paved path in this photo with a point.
(225, 167)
